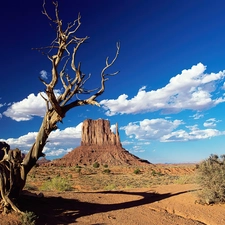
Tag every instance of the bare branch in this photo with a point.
(62, 73)
(45, 12)
(91, 100)
(110, 64)
(43, 81)
(70, 26)
(103, 75)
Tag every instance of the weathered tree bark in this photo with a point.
(56, 106)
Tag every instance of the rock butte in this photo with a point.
(99, 144)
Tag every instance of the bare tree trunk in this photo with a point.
(35, 152)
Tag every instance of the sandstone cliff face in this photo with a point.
(99, 144)
(97, 132)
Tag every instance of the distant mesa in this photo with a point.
(99, 144)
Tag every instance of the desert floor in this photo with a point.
(159, 194)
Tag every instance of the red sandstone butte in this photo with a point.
(99, 144)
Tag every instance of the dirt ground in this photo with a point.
(156, 204)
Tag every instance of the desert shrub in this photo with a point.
(154, 173)
(56, 184)
(106, 166)
(110, 187)
(28, 218)
(211, 178)
(77, 166)
(96, 165)
(137, 171)
(30, 187)
(106, 171)
(78, 170)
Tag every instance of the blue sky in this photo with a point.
(169, 97)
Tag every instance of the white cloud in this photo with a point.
(137, 148)
(24, 142)
(126, 142)
(194, 133)
(197, 116)
(65, 137)
(223, 87)
(211, 122)
(56, 152)
(151, 129)
(27, 108)
(167, 131)
(44, 74)
(192, 89)
(59, 141)
(1, 105)
(33, 105)
(113, 128)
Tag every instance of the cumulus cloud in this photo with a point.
(56, 152)
(113, 128)
(44, 74)
(66, 137)
(151, 129)
(194, 133)
(23, 142)
(26, 109)
(192, 89)
(169, 131)
(59, 142)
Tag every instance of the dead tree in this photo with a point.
(61, 53)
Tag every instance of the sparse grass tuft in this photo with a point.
(211, 177)
(56, 184)
(110, 187)
(185, 179)
(30, 187)
(29, 218)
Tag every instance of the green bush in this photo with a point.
(106, 171)
(137, 171)
(211, 178)
(96, 165)
(57, 184)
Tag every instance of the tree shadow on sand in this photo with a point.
(58, 210)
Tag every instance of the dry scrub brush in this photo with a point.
(211, 177)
